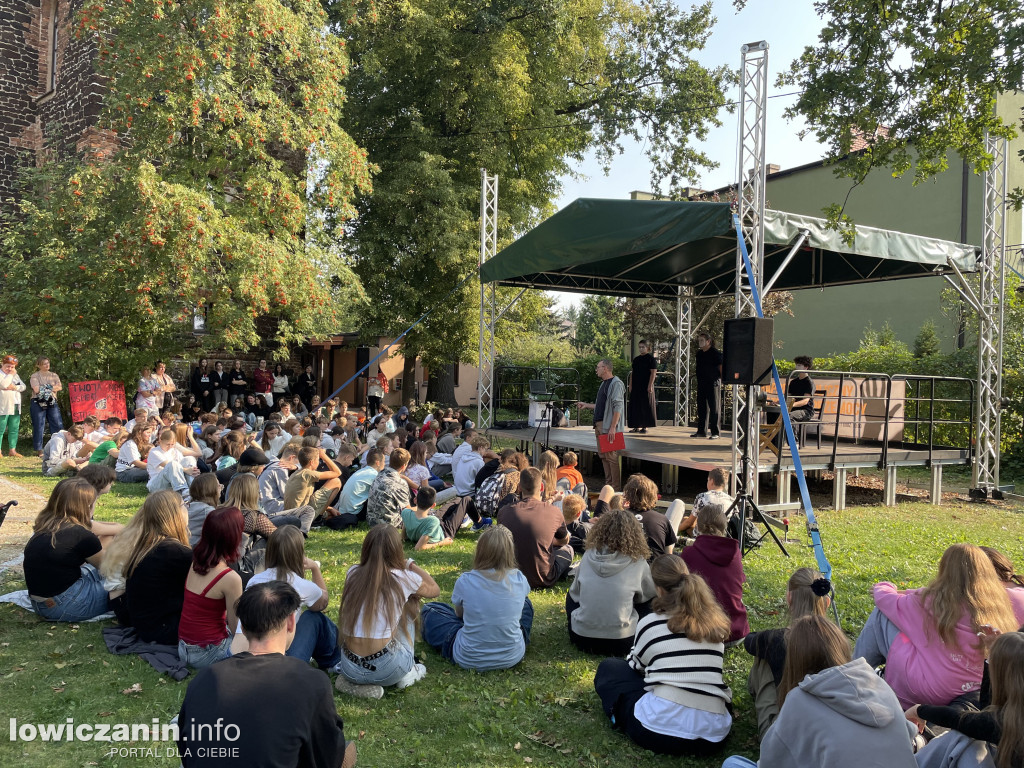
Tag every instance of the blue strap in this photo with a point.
(812, 523)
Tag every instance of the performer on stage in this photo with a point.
(641, 413)
(709, 386)
(608, 409)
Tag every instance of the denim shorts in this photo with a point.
(199, 656)
(83, 600)
(384, 669)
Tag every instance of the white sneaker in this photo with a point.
(418, 672)
(359, 691)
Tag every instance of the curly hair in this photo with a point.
(619, 531)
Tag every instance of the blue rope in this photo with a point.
(812, 523)
(398, 338)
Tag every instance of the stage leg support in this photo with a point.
(935, 488)
(783, 483)
(839, 489)
(890, 486)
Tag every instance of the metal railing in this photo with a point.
(512, 389)
(664, 396)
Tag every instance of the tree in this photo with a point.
(911, 80)
(927, 342)
(229, 176)
(524, 88)
(599, 327)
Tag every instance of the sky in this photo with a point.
(788, 26)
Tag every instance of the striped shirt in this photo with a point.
(677, 668)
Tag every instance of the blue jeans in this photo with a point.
(441, 625)
(387, 669)
(40, 418)
(316, 637)
(83, 600)
(876, 638)
(738, 762)
(199, 656)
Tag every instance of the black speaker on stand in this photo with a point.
(747, 351)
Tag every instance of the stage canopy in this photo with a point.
(647, 248)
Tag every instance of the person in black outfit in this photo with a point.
(202, 385)
(799, 394)
(709, 386)
(640, 411)
(305, 387)
(296, 721)
(236, 381)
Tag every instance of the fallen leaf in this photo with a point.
(136, 688)
(517, 746)
(527, 759)
(362, 734)
(106, 714)
(58, 690)
(61, 665)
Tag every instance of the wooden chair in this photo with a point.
(816, 422)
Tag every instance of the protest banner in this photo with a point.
(100, 398)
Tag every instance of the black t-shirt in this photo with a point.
(283, 708)
(51, 570)
(799, 389)
(657, 529)
(708, 364)
(155, 591)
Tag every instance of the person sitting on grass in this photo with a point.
(548, 466)
(416, 473)
(421, 526)
(152, 558)
(205, 494)
(717, 558)
(612, 587)
(212, 589)
(577, 522)
(834, 712)
(464, 473)
(389, 493)
(283, 710)
(539, 532)
(669, 694)
(301, 490)
(488, 624)
(131, 466)
(1007, 575)
(377, 620)
(640, 495)
(715, 494)
(167, 470)
(66, 452)
(352, 501)
(806, 595)
(928, 638)
(568, 472)
(316, 636)
(63, 556)
(100, 477)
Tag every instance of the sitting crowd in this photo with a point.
(213, 567)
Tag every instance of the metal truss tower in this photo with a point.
(750, 200)
(488, 310)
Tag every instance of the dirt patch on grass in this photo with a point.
(17, 527)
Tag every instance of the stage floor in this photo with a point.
(673, 446)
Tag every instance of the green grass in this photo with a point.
(542, 712)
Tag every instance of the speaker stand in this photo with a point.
(748, 510)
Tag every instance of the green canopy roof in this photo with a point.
(652, 248)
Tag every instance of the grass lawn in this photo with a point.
(542, 712)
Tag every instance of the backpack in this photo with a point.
(489, 494)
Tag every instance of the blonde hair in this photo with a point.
(967, 580)
(1006, 668)
(244, 493)
(640, 493)
(495, 551)
(70, 503)
(802, 599)
(286, 551)
(688, 602)
(572, 507)
(160, 517)
(619, 531)
(569, 459)
(548, 466)
(372, 588)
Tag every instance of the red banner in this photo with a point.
(100, 398)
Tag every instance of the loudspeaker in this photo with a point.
(747, 351)
(362, 358)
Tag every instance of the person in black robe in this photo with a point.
(640, 411)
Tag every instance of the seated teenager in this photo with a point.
(212, 589)
(283, 710)
(464, 472)
(576, 521)
(64, 553)
(612, 580)
(488, 624)
(806, 595)
(422, 527)
(834, 712)
(1014, 584)
(640, 495)
(316, 636)
(539, 532)
(548, 466)
(717, 558)
(205, 497)
(131, 464)
(416, 473)
(376, 623)
(355, 492)
(389, 493)
(167, 470)
(669, 695)
(66, 452)
(153, 557)
(928, 638)
(568, 472)
(715, 494)
(301, 488)
(274, 478)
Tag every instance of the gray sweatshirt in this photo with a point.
(607, 585)
(843, 717)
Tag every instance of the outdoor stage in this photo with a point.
(672, 448)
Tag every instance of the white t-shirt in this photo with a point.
(278, 443)
(157, 457)
(417, 473)
(383, 627)
(98, 436)
(127, 456)
(308, 591)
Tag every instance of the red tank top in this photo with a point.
(204, 619)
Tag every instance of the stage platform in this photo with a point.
(673, 448)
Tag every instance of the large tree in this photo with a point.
(524, 88)
(230, 173)
(911, 80)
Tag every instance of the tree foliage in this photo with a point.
(599, 327)
(230, 173)
(524, 88)
(915, 80)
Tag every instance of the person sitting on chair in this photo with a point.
(799, 394)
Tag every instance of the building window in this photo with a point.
(51, 58)
(455, 373)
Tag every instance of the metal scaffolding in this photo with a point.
(488, 313)
(684, 330)
(750, 199)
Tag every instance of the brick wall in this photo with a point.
(28, 105)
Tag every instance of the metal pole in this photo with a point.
(684, 331)
(488, 315)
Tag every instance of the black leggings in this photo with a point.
(599, 646)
